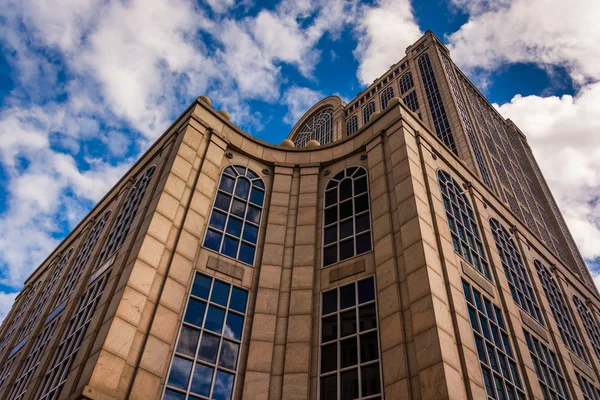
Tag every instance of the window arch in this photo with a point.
(515, 271)
(235, 217)
(347, 217)
(351, 125)
(318, 127)
(386, 95)
(562, 314)
(122, 223)
(590, 325)
(367, 111)
(463, 226)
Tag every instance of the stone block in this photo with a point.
(297, 357)
(299, 328)
(301, 302)
(260, 355)
(141, 277)
(224, 267)
(131, 305)
(146, 386)
(165, 324)
(156, 356)
(256, 385)
(151, 251)
(263, 327)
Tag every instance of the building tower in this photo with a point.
(402, 246)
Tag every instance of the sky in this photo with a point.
(87, 85)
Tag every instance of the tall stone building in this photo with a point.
(402, 246)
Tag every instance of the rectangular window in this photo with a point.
(206, 355)
(589, 391)
(590, 325)
(498, 365)
(349, 357)
(411, 101)
(550, 375)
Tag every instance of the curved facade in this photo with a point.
(380, 265)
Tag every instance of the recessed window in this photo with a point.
(515, 271)
(317, 127)
(590, 325)
(501, 376)
(368, 110)
(386, 95)
(463, 227)
(547, 367)
(349, 363)
(405, 83)
(235, 218)
(411, 101)
(589, 391)
(351, 125)
(346, 217)
(206, 354)
(124, 219)
(560, 311)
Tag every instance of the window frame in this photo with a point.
(202, 330)
(303, 136)
(353, 217)
(352, 122)
(228, 213)
(385, 97)
(367, 110)
(337, 372)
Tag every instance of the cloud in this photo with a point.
(383, 32)
(6, 301)
(549, 33)
(299, 100)
(563, 134)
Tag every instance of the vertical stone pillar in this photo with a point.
(394, 362)
(263, 375)
(296, 378)
(436, 363)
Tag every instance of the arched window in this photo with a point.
(386, 95)
(351, 125)
(515, 271)
(318, 127)
(367, 111)
(346, 220)
(122, 223)
(235, 218)
(463, 226)
(562, 314)
(590, 325)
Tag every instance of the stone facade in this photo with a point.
(130, 302)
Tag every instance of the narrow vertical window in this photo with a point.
(349, 351)
(127, 213)
(206, 354)
(560, 311)
(501, 376)
(351, 125)
(590, 325)
(13, 323)
(68, 347)
(411, 101)
(405, 83)
(589, 391)
(346, 219)
(547, 368)
(317, 127)
(515, 271)
(368, 110)
(436, 105)
(235, 218)
(463, 227)
(386, 95)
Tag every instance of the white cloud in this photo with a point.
(549, 33)
(384, 31)
(6, 301)
(299, 100)
(563, 134)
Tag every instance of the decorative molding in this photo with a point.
(582, 366)
(477, 278)
(225, 268)
(341, 271)
(534, 326)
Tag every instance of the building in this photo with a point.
(413, 251)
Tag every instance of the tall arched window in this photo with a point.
(591, 328)
(461, 221)
(351, 125)
(367, 111)
(515, 271)
(235, 218)
(318, 127)
(386, 95)
(562, 314)
(122, 223)
(346, 220)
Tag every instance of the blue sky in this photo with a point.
(86, 86)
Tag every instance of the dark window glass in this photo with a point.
(549, 372)
(209, 345)
(351, 125)
(590, 325)
(358, 354)
(201, 380)
(246, 206)
(363, 244)
(346, 250)
(180, 373)
(345, 209)
(212, 369)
